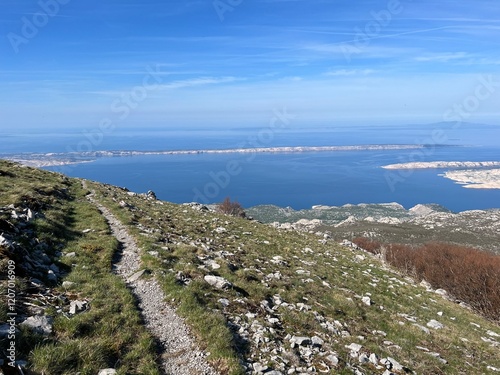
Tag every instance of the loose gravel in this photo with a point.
(180, 355)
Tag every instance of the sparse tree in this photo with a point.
(231, 208)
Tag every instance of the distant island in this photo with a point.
(443, 164)
(476, 179)
(57, 159)
(478, 175)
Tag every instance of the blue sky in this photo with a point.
(70, 63)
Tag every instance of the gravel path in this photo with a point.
(179, 353)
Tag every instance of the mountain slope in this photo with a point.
(263, 300)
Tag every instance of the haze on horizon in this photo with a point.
(71, 64)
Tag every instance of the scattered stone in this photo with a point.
(77, 306)
(39, 324)
(374, 359)
(317, 341)
(107, 371)
(68, 284)
(392, 364)
(355, 348)
(136, 276)
(332, 359)
(443, 293)
(259, 368)
(217, 281)
(435, 324)
(300, 341)
(363, 358)
(492, 334)
(366, 300)
(151, 195)
(425, 329)
(70, 255)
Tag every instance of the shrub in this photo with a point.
(231, 208)
(468, 274)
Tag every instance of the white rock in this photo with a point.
(355, 348)
(259, 368)
(77, 306)
(493, 334)
(425, 329)
(441, 292)
(395, 364)
(363, 358)
(373, 358)
(107, 371)
(332, 359)
(317, 341)
(39, 324)
(435, 324)
(217, 281)
(136, 276)
(366, 300)
(300, 341)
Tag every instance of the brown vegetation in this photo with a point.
(468, 274)
(231, 208)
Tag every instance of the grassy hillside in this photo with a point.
(285, 284)
(258, 299)
(109, 333)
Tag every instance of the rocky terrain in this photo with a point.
(476, 179)
(444, 164)
(255, 299)
(470, 174)
(391, 223)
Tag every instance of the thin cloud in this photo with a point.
(350, 72)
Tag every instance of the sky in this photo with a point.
(231, 63)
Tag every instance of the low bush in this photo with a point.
(468, 274)
(231, 208)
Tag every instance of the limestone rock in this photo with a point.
(435, 324)
(39, 324)
(107, 371)
(217, 281)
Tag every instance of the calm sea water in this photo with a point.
(299, 180)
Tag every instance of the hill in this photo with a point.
(256, 299)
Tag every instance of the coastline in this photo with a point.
(443, 164)
(40, 160)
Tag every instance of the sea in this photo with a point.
(298, 180)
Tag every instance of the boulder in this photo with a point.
(107, 371)
(435, 324)
(39, 324)
(217, 282)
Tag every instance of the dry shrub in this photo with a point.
(231, 208)
(371, 246)
(468, 274)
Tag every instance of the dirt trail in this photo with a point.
(179, 353)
